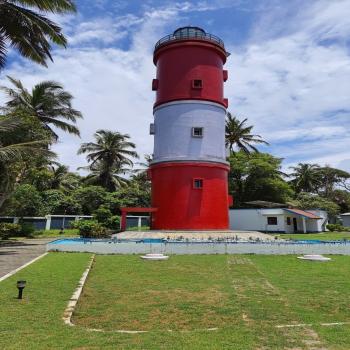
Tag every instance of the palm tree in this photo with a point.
(238, 134)
(14, 152)
(306, 177)
(24, 26)
(58, 174)
(17, 151)
(47, 101)
(109, 156)
(106, 176)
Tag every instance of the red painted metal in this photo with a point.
(180, 206)
(180, 63)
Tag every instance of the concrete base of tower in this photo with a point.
(190, 196)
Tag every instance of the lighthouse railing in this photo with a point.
(190, 35)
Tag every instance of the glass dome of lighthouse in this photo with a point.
(189, 32)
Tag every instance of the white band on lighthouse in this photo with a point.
(189, 131)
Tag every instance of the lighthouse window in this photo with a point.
(197, 183)
(151, 129)
(197, 84)
(197, 132)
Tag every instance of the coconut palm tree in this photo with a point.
(109, 156)
(47, 101)
(24, 26)
(239, 135)
(16, 151)
(11, 153)
(306, 177)
(107, 176)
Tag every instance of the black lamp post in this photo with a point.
(20, 285)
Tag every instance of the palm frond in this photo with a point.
(18, 151)
(29, 32)
(49, 5)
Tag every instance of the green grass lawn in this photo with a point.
(244, 296)
(56, 233)
(323, 236)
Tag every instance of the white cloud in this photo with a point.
(292, 87)
(289, 83)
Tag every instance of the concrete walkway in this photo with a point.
(18, 253)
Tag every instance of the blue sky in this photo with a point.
(289, 70)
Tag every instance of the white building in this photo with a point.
(278, 220)
(346, 219)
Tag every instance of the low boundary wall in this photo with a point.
(202, 248)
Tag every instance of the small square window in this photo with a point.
(197, 183)
(197, 132)
(155, 83)
(151, 129)
(272, 220)
(197, 83)
(288, 221)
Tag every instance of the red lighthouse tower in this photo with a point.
(189, 168)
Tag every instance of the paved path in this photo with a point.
(18, 253)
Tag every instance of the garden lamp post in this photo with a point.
(20, 285)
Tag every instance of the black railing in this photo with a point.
(190, 35)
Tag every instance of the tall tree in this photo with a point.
(108, 156)
(330, 178)
(306, 177)
(238, 134)
(47, 101)
(20, 144)
(257, 176)
(24, 25)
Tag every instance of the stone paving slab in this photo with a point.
(18, 253)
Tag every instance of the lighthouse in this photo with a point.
(189, 169)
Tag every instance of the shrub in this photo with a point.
(9, 230)
(113, 223)
(337, 228)
(27, 229)
(91, 229)
(102, 215)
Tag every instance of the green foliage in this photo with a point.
(90, 198)
(238, 134)
(25, 27)
(27, 229)
(47, 102)
(257, 176)
(90, 229)
(337, 228)
(342, 198)
(113, 223)
(25, 201)
(56, 202)
(102, 215)
(109, 155)
(8, 230)
(310, 201)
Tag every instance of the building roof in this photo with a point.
(266, 204)
(304, 213)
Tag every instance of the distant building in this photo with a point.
(48, 222)
(345, 219)
(278, 220)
